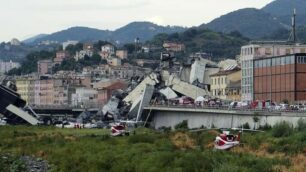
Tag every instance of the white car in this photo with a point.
(2, 122)
(69, 125)
(89, 125)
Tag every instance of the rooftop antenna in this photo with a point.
(292, 36)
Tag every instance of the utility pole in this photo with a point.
(293, 25)
(292, 36)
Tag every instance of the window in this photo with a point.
(260, 64)
(303, 50)
(256, 64)
(283, 60)
(288, 51)
(289, 60)
(277, 61)
(268, 62)
(268, 51)
(273, 62)
(292, 59)
(301, 59)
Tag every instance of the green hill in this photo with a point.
(143, 30)
(283, 9)
(220, 45)
(250, 22)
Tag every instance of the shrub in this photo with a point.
(165, 129)
(301, 125)
(141, 138)
(183, 125)
(282, 129)
(265, 127)
(246, 126)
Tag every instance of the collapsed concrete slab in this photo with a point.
(199, 69)
(168, 93)
(186, 88)
(152, 80)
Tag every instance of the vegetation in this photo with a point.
(283, 34)
(250, 22)
(29, 65)
(282, 129)
(183, 125)
(220, 45)
(143, 30)
(147, 150)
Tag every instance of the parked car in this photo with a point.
(2, 121)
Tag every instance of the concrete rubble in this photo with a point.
(35, 164)
(163, 85)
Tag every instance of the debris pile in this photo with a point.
(166, 85)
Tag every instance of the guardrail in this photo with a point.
(193, 106)
(65, 107)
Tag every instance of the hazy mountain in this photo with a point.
(250, 22)
(283, 10)
(32, 39)
(142, 30)
(76, 33)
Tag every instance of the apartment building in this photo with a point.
(259, 50)
(280, 78)
(224, 84)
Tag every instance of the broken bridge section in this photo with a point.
(11, 106)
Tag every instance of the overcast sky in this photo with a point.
(24, 18)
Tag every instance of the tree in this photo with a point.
(255, 120)
(95, 59)
(72, 49)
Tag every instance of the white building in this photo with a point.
(261, 50)
(81, 54)
(85, 97)
(67, 43)
(108, 48)
(15, 42)
(7, 66)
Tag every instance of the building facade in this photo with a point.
(7, 66)
(67, 43)
(280, 78)
(122, 54)
(223, 84)
(257, 51)
(60, 56)
(44, 67)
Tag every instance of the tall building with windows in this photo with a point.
(280, 78)
(259, 50)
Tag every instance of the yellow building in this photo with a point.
(226, 84)
(24, 88)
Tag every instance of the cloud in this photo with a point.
(157, 20)
(77, 5)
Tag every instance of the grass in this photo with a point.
(94, 150)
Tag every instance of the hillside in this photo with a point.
(142, 30)
(250, 22)
(221, 45)
(76, 33)
(283, 9)
(32, 39)
(283, 34)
